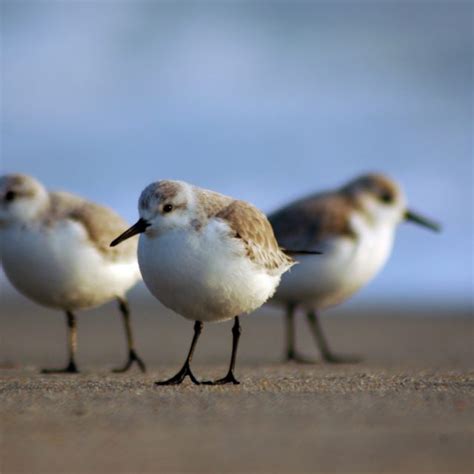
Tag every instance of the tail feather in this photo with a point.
(292, 252)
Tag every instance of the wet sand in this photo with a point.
(407, 408)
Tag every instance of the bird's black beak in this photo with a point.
(137, 228)
(423, 221)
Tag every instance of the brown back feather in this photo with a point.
(101, 223)
(305, 224)
(252, 227)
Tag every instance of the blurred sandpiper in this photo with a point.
(354, 227)
(54, 248)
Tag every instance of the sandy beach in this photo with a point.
(407, 408)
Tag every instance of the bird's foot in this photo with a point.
(229, 378)
(70, 369)
(180, 376)
(132, 357)
(293, 356)
(331, 358)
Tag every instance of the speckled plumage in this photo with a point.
(252, 227)
(244, 220)
(310, 221)
(207, 256)
(306, 223)
(55, 246)
(100, 223)
(352, 226)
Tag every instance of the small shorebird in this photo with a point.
(207, 257)
(354, 226)
(54, 249)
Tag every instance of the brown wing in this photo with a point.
(210, 202)
(101, 223)
(305, 224)
(252, 227)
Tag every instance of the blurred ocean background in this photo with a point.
(265, 101)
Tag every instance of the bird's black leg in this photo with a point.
(186, 369)
(132, 354)
(291, 353)
(321, 342)
(229, 378)
(71, 368)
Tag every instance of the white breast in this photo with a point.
(57, 266)
(203, 275)
(345, 266)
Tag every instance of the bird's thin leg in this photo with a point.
(132, 354)
(229, 378)
(290, 331)
(291, 353)
(71, 368)
(321, 342)
(186, 369)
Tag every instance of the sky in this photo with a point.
(265, 101)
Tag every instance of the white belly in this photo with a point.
(203, 276)
(345, 267)
(58, 267)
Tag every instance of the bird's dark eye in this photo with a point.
(10, 195)
(386, 197)
(167, 208)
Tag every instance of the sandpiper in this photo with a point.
(207, 257)
(354, 226)
(54, 248)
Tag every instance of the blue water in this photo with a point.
(265, 101)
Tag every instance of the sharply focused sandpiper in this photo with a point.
(206, 256)
(354, 227)
(54, 248)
